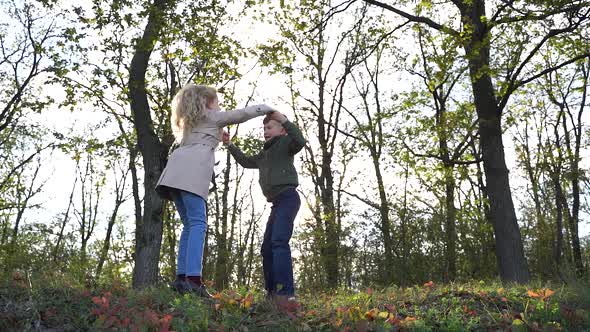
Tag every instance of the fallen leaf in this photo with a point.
(371, 314)
(547, 293)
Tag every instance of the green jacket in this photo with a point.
(275, 161)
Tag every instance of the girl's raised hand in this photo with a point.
(278, 116)
(267, 109)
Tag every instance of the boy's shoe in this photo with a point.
(285, 302)
(199, 290)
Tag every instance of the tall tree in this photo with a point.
(370, 133)
(532, 148)
(32, 45)
(92, 183)
(569, 95)
(120, 175)
(29, 56)
(148, 234)
(452, 126)
(475, 36)
(182, 35)
(306, 28)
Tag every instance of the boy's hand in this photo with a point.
(225, 138)
(278, 116)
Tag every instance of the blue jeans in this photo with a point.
(192, 211)
(277, 263)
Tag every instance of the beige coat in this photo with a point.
(190, 166)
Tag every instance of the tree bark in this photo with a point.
(221, 265)
(170, 237)
(543, 232)
(329, 217)
(148, 233)
(574, 159)
(449, 183)
(558, 248)
(512, 262)
(510, 256)
(450, 229)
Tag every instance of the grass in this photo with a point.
(473, 306)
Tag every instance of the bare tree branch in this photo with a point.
(364, 200)
(414, 18)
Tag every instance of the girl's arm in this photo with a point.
(241, 158)
(223, 119)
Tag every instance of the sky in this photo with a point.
(60, 171)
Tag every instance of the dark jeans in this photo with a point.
(276, 253)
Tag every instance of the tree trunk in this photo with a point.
(574, 220)
(484, 208)
(64, 222)
(235, 210)
(558, 248)
(385, 221)
(170, 233)
(215, 233)
(509, 248)
(560, 202)
(327, 179)
(23, 205)
(107, 241)
(133, 150)
(135, 184)
(541, 230)
(449, 182)
(120, 186)
(450, 216)
(574, 159)
(89, 207)
(250, 257)
(405, 255)
(221, 265)
(332, 231)
(148, 233)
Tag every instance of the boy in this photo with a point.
(278, 180)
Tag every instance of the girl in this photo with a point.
(197, 125)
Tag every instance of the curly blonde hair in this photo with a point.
(188, 107)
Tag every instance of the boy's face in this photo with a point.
(273, 128)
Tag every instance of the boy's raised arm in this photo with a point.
(297, 140)
(241, 158)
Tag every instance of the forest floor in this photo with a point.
(472, 306)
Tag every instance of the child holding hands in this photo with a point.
(197, 124)
(278, 180)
